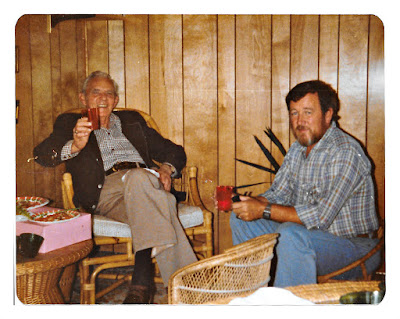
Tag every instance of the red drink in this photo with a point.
(93, 115)
(224, 197)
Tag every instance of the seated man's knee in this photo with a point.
(292, 233)
(140, 176)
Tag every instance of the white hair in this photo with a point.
(99, 74)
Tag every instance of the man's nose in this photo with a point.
(301, 120)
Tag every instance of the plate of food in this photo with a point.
(31, 202)
(54, 216)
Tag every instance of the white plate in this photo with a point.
(41, 214)
(33, 201)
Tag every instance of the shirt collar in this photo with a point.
(114, 120)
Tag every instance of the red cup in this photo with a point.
(93, 115)
(224, 197)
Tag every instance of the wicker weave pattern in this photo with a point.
(330, 293)
(48, 278)
(237, 272)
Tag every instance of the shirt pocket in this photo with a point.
(308, 193)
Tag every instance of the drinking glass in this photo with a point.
(29, 244)
(93, 115)
(224, 197)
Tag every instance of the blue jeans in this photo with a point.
(304, 254)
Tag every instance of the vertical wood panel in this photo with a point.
(280, 81)
(303, 51)
(304, 48)
(24, 128)
(116, 56)
(82, 67)
(166, 74)
(69, 66)
(57, 93)
(226, 121)
(137, 62)
(376, 108)
(200, 99)
(253, 100)
(328, 49)
(41, 99)
(353, 58)
(97, 46)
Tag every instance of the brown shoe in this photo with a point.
(138, 295)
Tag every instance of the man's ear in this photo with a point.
(116, 101)
(82, 98)
(328, 116)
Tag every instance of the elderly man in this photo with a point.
(321, 201)
(109, 168)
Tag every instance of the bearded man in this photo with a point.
(321, 201)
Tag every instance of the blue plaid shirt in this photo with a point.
(331, 189)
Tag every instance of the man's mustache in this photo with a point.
(301, 128)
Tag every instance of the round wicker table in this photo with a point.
(48, 278)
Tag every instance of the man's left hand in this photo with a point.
(165, 172)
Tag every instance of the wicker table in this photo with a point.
(48, 278)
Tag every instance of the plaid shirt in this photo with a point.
(114, 146)
(331, 189)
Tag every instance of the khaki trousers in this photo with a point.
(137, 197)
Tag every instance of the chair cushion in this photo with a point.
(189, 216)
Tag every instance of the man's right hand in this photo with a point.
(249, 208)
(81, 134)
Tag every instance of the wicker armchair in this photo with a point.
(237, 272)
(195, 218)
(360, 262)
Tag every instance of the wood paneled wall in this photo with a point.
(210, 81)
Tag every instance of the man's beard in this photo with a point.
(306, 140)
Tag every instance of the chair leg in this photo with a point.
(87, 289)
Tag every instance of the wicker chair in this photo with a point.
(237, 272)
(195, 219)
(329, 278)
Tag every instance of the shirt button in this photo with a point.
(99, 186)
(93, 206)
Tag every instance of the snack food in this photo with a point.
(55, 216)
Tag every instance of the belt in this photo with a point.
(124, 165)
(372, 234)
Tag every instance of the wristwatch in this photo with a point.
(267, 212)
